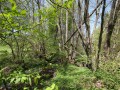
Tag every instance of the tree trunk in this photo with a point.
(87, 25)
(111, 23)
(100, 36)
(94, 53)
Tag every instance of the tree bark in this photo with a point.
(101, 33)
(87, 25)
(111, 23)
(66, 33)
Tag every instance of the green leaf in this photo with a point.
(23, 79)
(38, 76)
(30, 81)
(36, 88)
(12, 80)
(68, 3)
(26, 88)
(36, 80)
(52, 87)
(13, 3)
(23, 12)
(17, 81)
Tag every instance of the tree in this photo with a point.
(111, 23)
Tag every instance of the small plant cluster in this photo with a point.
(20, 80)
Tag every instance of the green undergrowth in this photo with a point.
(72, 77)
(66, 76)
(110, 81)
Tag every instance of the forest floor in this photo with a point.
(45, 74)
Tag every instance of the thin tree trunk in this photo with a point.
(42, 43)
(33, 10)
(59, 33)
(66, 33)
(61, 27)
(72, 40)
(87, 24)
(95, 25)
(100, 36)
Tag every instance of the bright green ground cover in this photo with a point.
(5, 48)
